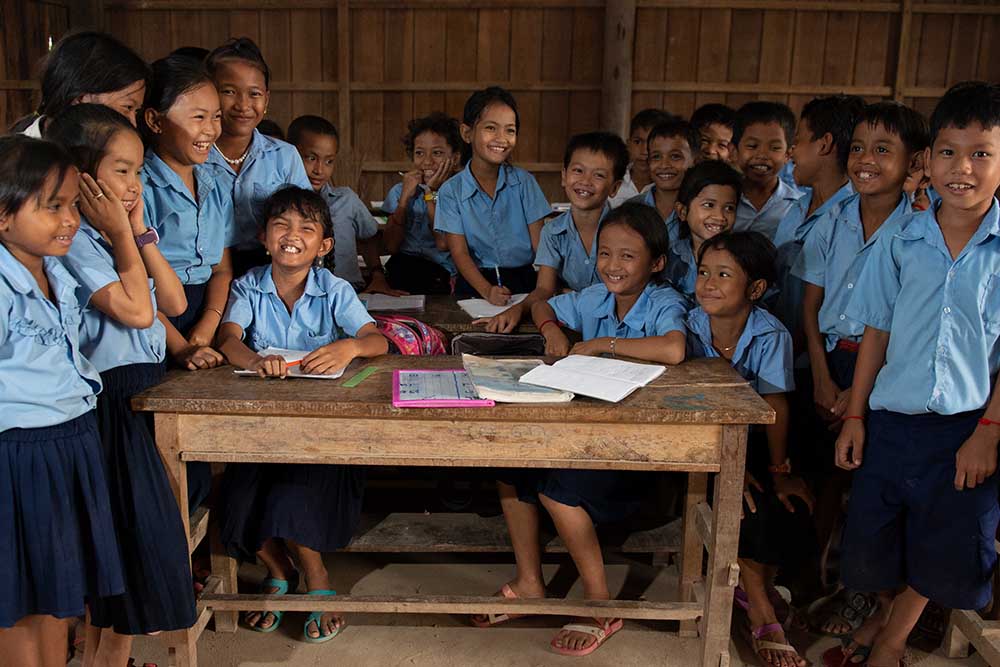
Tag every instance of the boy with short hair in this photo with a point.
(318, 142)
(594, 165)
(763, 135)
(923, 512)
(674, 147)
(819, 155)
(715, 124)
(637, 179)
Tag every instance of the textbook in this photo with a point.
(497, 379)
(411, 302)
(291, 357)
(434, 389)
(597, 377)
(478, 308)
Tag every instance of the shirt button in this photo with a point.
(850, 285)
(947, 310)
(843, 317)
(942, 349)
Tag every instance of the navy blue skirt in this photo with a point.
(317, 506)
(608, 496)
(154, 550)
(57, 538)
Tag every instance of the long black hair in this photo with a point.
(85, 130)
(172, 77)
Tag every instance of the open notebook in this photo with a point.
(497, 379)
(597, 377)
(477, 308)
(292, 356)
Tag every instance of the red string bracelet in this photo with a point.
(546, 322)
(858, 417)
(988, 422)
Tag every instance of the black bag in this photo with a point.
(499, 345)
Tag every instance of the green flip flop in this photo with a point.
(316, 617)
(282, 586)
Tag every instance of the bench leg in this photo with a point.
(692, 552)
(185, 653)
(723, 568)
(956, 644)
(224, 567)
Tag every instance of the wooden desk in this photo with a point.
(443, 312)
(692, 419)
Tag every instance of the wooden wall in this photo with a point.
(371, 65)
(26, 26)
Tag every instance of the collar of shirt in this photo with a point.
(809, 219)
(161, 175)
(330, 192)
(851, 216)
(469, 186)
(61, 283)
(783, 191)
(562, 223)
(267, 286)
(758, 324)
(924, 225)
(602, 304)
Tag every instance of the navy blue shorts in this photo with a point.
(906, 523)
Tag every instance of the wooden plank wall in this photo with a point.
(371, 65)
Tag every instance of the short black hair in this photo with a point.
(314, 124)
(677, 127)
(764, 112)
(239, 48)
(271, 129)
(753, 251)
(479, 100)
(306, 202)
(899, 119)
(966, 103)
(646, 222)
(608, 144)
(196, 52)
(172, 77)
(437, 122)
(837, 115)
(713, 114)
(84, 130)
(87, 63)
(648, 118)
(25, 165)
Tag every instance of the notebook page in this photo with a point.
(585, 384)
(627, 371)
(477, 308)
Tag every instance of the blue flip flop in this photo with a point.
(316, 617)
(282, 586)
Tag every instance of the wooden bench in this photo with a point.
(968, 627)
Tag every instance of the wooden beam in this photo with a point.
(939, 8)
(902, 54)
(161, 5)
(984, 635)
(779, 5)
(440, 604)
(344, 73)
(199, 528)
(619, 44)
(464, 86)
(758, 88)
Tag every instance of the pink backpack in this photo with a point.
(411, 336)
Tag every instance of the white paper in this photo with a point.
(640, 374)
(386, 302)
(477, 308)
(597, 377)
(294, 371)
(498, 380)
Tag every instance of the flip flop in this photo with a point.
(601, 634)
(839, 656)
(316, 617)
(282, 586)
(497, 619)
(761, 645)
(850, 607)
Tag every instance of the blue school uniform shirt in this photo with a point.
(496, 230)
(942, 315)
(105, 341)
(44, 379)
(270, 165)
(351, 221)
(561, 247)
(767, 219)
(673, 223)
(793, 230)
(682, 267)
(419, 237)
(833, 258)
(763, 354)
(658, 311)
(328, 310)
(192, 234)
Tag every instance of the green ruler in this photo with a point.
(361, 376)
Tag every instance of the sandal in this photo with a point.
(780, 598)
(489, 620)
(850, 608)
(316, 617)
(282, 587)
(849, 652)
(760, 645)
(601, 634)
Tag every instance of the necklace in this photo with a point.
(724, 349)
(238, 161)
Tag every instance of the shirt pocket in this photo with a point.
(41, 335)
(989, 306)
(259, 342)
(259, 196)
(316, 340)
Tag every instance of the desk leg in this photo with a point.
(723, 568)
(692, 553)
(225, 568)
(181, 643)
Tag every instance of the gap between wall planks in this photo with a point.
(371, 65)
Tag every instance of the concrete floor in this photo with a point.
(438, 641)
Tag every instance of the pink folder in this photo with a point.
(400, 401)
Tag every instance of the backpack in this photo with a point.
(410, 336)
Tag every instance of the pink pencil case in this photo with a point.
(406, 395)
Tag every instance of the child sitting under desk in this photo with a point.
(763, 135)
(293, 303)
(627, 313)
(593, 165)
